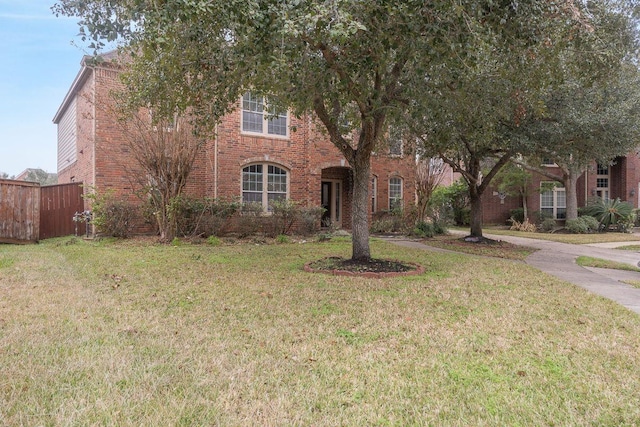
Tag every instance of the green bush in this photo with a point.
(281, 238)
(384, 225)
(517, 214)
(310, 218)
(548, 225)
(202, 217)
(250, 219)
(577, 226)
(450, 204)
(110, 215)
(591, 223)
(214, 241)
(428, 229)
(424, 229)
(388, 221)
(439, 228)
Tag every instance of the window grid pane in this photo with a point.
(277, 125)
(251, 197)
(252, 114)
(252, 178)
(252, 103)
(276, 180)
(561, 198)
(546, 199)
(395, 192)
(251, 122)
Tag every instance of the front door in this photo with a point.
(331, 200)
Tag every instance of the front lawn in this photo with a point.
(133, 333)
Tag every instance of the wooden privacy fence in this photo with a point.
(19, 211)
(58, 203)
(29, 213)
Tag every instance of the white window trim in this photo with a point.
(265, 122)
(555, 205)
(603, 192)
(265, 183)
(374, 193)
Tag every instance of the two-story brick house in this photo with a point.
(619, 180)
(252, 157)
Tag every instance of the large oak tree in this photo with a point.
(584, 123)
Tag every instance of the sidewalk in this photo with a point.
(558, 259)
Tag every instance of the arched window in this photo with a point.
(395, 192)
(264, 183)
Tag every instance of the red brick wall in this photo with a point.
(105, 163)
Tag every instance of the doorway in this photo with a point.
(331, 201)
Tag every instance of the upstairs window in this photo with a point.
(395, 142)
(256, 117)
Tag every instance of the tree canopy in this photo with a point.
(476, 121)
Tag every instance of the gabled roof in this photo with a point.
(87, 64)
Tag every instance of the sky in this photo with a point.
(39, 58)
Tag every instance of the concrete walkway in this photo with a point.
(558, 259)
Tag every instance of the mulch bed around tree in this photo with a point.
(372, 268)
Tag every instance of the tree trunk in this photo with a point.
(476, 211)
(571, 193)
(360, 207)
(525, 208)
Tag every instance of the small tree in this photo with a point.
(515, 180)
(429, 174)
(42, 177)
(165, 150)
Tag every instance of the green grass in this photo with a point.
(130, 333)
(586, 261)
(635, 248)
(579, 239)
(634, 283)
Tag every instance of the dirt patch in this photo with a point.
(482, 246)
(372, 268)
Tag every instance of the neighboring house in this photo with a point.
(620, 180)
(252, 157)
(37, 175)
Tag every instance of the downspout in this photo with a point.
(93, 148)
(215, 162)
